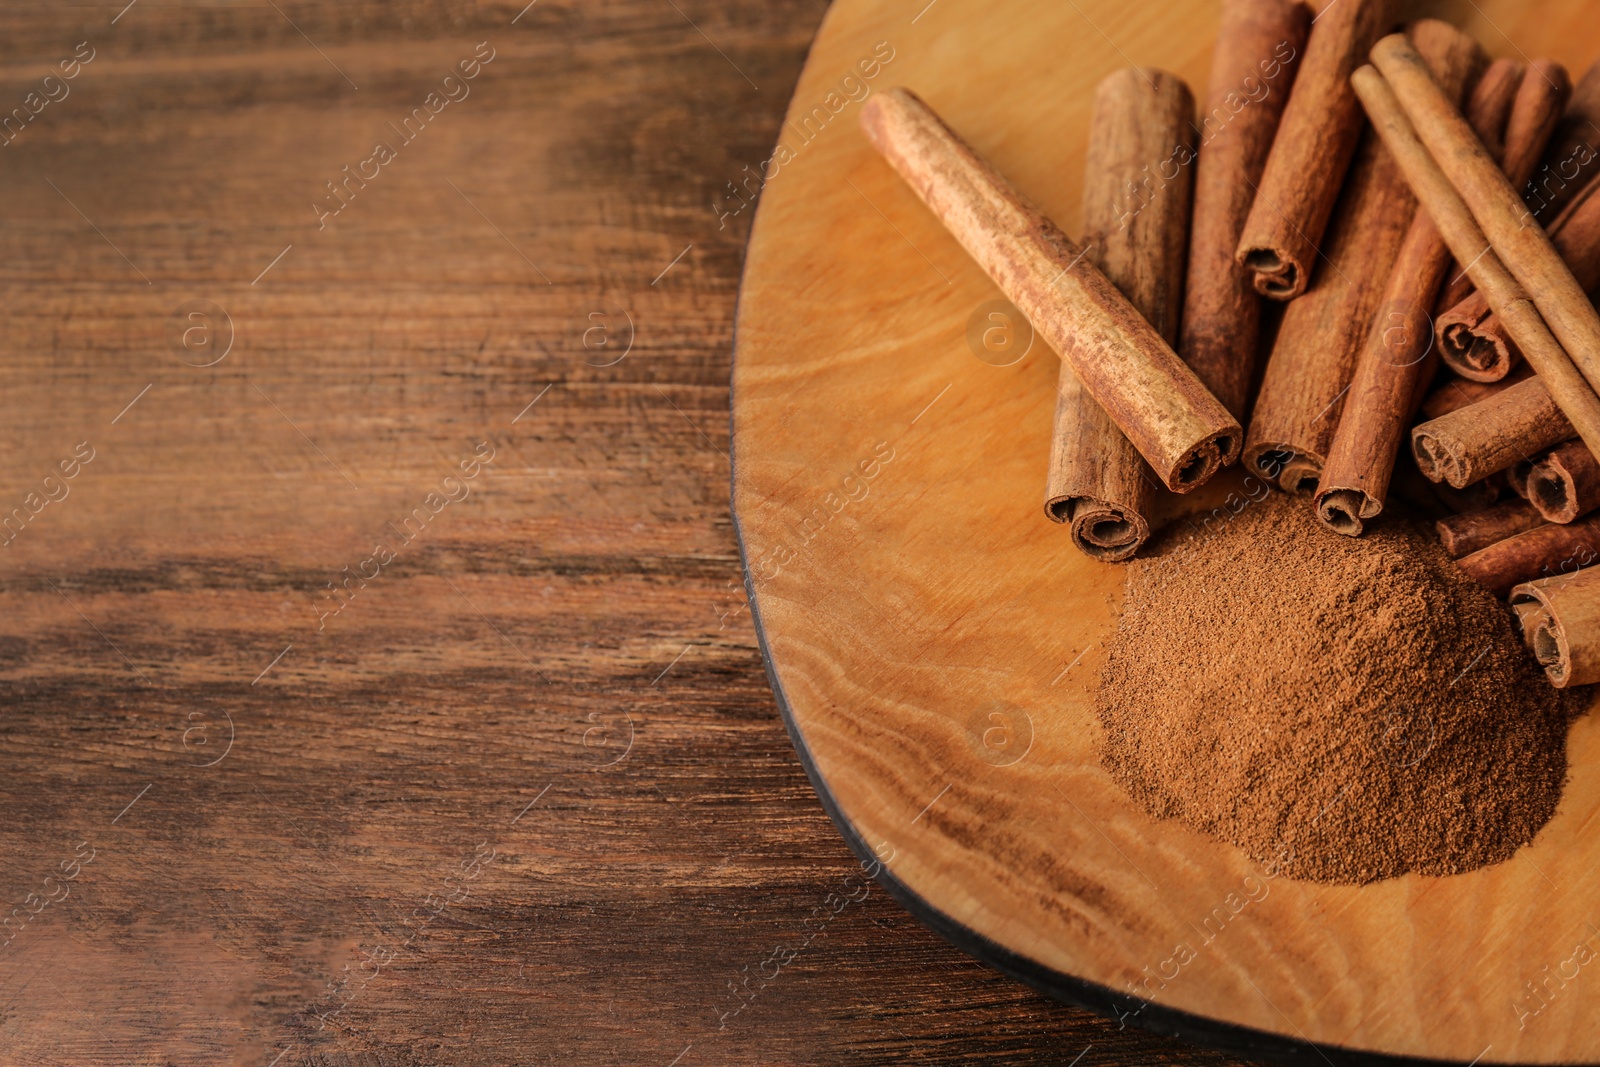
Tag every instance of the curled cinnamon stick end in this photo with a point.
(1475, 342)
(1153, 396)
(1560, 620)
(1475, 441)
(1545, 551)
(1315, 144)
(1551, 300)
(1346, 510)
(1310, 385)
(1300, 475)
(1517, 477)
(1465, 534)
(1396, 362)
(1097, 483)
(1565, 483)
(1101, 530)
(1471, 339)
(1527, 612)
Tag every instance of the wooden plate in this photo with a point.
(934, 641)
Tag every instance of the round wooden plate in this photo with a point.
(934, 641)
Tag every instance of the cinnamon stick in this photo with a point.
(1570, 159)
(1556, 371)
(1542, 552)
(1493, 98)
(1474, 342)
(1562, 176)
(1541, 101)
(1524, 250)
(1252, 71)
(1489, 111)
(1564, 629)
(1484, 493)
(1151, 394)
(1316, 143)
(1097, 483)
(1565, 483)
(1459, 392)
(1323, 332)
(1517, 477)
(1465, 534)
(1475, 441)
(1526, 613)
(1394, 364)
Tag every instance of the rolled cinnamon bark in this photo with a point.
(1517, 477)
(1465, 534)
(1252, 71)
(1475, 441)
(1455, 392)
(1323, 332)
(1394, 364)
(1564, 629)
(1565, 483)
(1474, 342)
(1316, 142)
(1151, 394)
(1541, 101)
(1542, 552)
(1493, 98)
(1570, 159)
(1556, 370)
(1484, 493)
(1524, 250)
(1489, 111)
(1459, 392)
(1527, 614)
(1097, 483)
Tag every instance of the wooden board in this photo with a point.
(572, 633)
(934, 641)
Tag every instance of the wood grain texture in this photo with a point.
(935, 642)
(1153, 396)
(586, 591)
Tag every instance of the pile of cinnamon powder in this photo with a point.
(1350, 709)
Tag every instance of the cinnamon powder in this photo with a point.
(1348, 709)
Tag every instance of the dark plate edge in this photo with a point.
(1168, 1022)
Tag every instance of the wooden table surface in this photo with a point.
(377, 684)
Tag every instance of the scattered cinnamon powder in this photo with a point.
(1349, 709)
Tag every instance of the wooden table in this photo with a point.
(317, 750)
